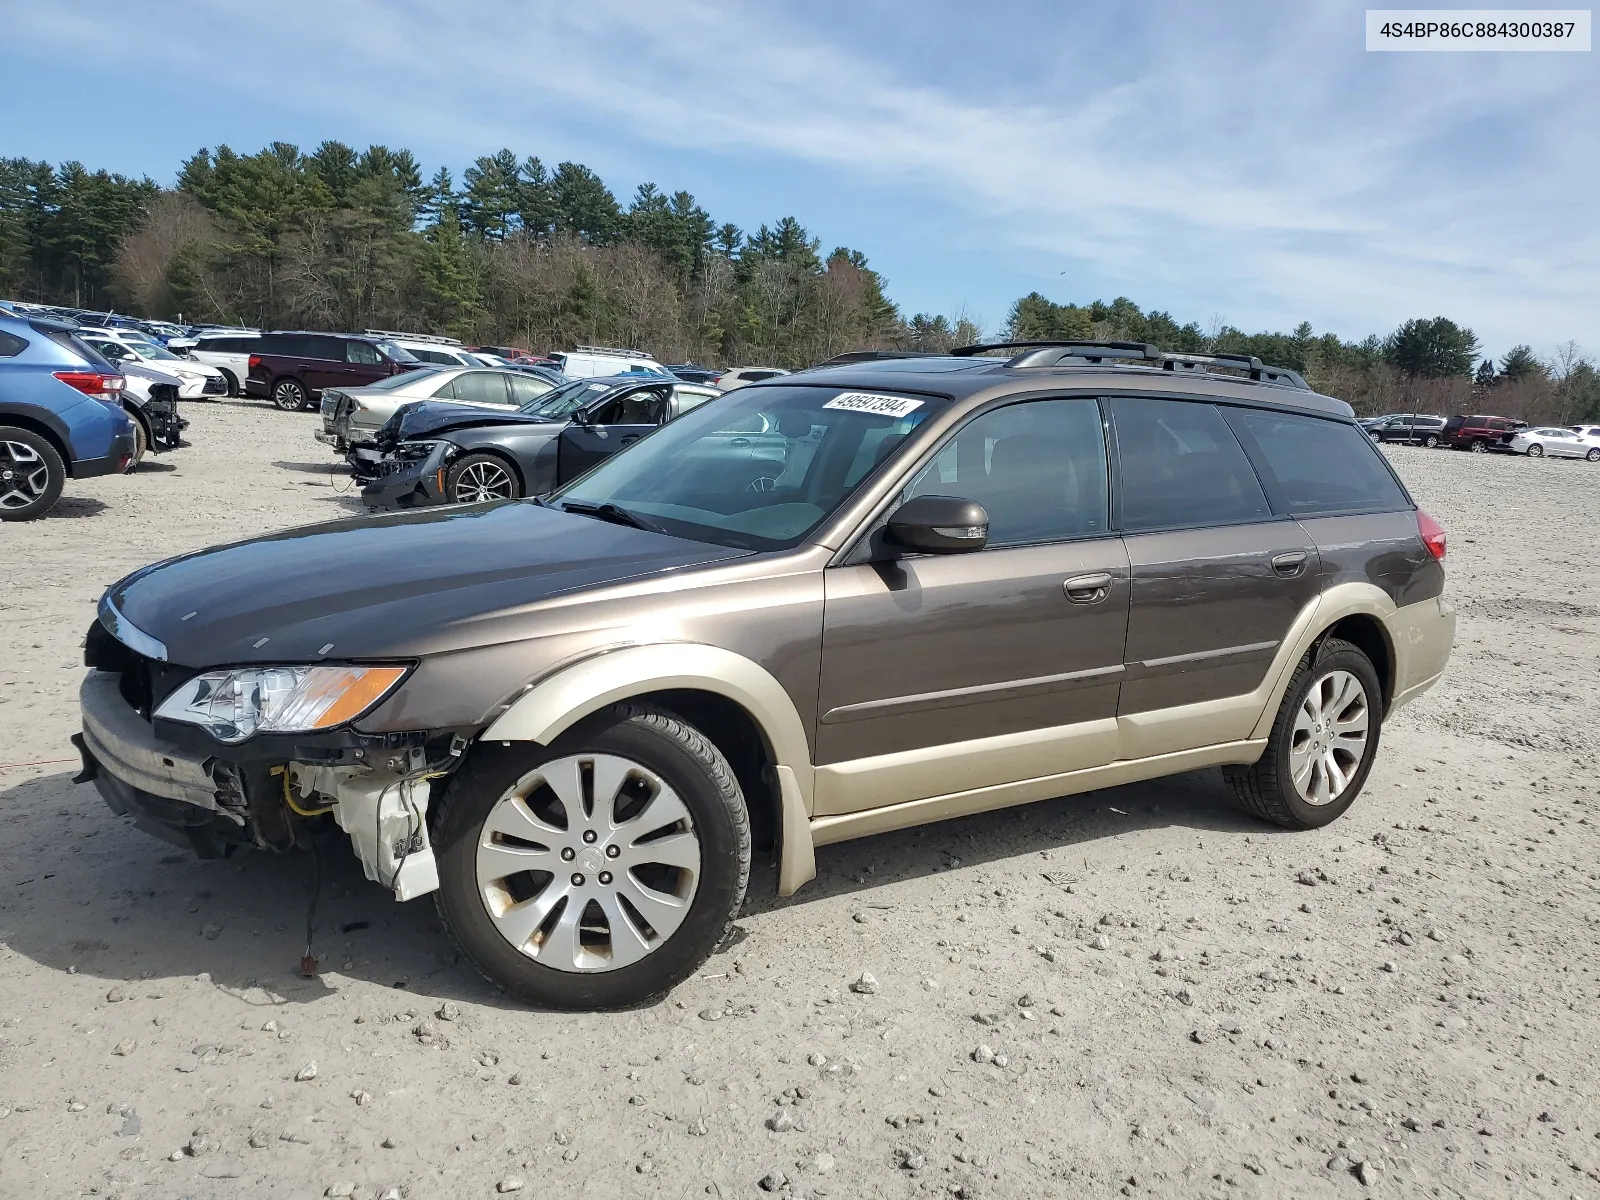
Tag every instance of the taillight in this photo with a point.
(255, 361)
(1432, 534)
(93, 383)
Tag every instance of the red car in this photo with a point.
(1479, 434)
(291, 369)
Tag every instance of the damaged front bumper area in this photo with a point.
(183, 787)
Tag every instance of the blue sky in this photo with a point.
(1243, 162)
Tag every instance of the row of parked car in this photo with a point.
(1483, 434)
(84, 394)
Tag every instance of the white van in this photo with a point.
(587, 362)
(229, 352)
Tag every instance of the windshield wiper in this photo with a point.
(614, 513)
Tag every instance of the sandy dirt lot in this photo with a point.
(1136, 992)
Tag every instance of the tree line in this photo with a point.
(522, 253)
(1430, 365)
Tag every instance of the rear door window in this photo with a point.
(1181, 466)
(362, 352)
(526, 388)
(480, 387)
(1320, 468)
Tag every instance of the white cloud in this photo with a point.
(1253, 160)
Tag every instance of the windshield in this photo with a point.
(561, 401)
(396, 354)
(758, 469)
(159, 353)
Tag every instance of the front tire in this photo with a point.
(600, 871)
(1479, 446)
(289, 395)
(476, 478)
(231, 380)
(1593, 455)
(1322, 743)
(31, 475)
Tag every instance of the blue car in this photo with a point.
(61, 415)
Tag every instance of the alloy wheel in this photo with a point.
(1430, 441)
(588, 863)
(289, 396)
(483, 480)
(1479, 448)
(1536, 451)
(1331, 732)
(24, 475)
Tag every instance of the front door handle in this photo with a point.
(1290, 563)
(631, 437)
(1088, 589)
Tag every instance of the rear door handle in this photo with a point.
(1290, 563)
(1088, 589)
(631, 437)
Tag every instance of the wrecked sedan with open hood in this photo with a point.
(435, 453)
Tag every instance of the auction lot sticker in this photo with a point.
(878, 406)
(1423, 29)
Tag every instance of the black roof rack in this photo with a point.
(1049, 353)
(856, 356)
(1053, 353)
(1248, 364)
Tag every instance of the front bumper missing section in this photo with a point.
(196, 800)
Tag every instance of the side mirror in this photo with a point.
(939, 525)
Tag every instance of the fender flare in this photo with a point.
(558, 701)
(1327, 610)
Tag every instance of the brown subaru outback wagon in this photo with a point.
(840, 602)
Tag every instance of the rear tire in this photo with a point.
(289, 394)
(1268, 788)
(1431, 441)
(141, 444)
(1479, 446)
(31, 475)
(1536, 451)
(491, 914)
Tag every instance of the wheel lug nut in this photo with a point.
(577, 880)
(589, 835)
(612, 851)
(605, 876)
(568, 854)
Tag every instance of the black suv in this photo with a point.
(291, 369)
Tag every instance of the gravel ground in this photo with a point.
(1136, 992)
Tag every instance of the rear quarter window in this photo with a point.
(11, 345)
(1320, 468)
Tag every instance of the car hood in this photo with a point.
(150, 374)
(426, 418)
(387, 587)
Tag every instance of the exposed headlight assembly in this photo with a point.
(417, 451)
(234, 705)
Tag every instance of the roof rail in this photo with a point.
(1247, 364)
(413, 337)
(1051, 352)
(857, 356)
(611, 350)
